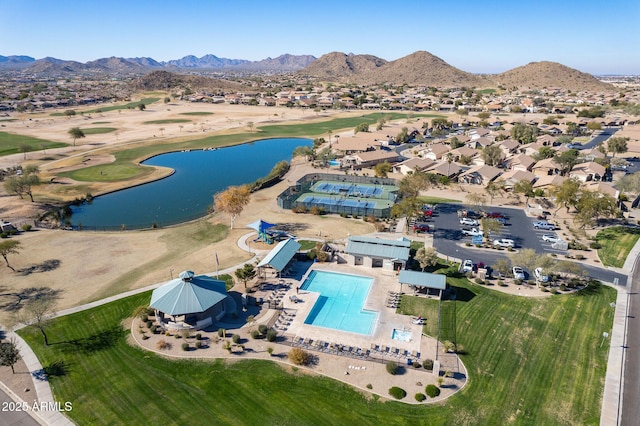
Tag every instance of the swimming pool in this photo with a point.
(341, 302)
(401, 335)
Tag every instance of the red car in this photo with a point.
(421, 227)
(496, 215)
(428, 213)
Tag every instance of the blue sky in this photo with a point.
(476, 36)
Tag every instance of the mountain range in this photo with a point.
(418, 68)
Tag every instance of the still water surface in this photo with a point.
(188, 193)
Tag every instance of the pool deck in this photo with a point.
(388, 319)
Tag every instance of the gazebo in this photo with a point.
(191, 302)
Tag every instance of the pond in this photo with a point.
(188, 192)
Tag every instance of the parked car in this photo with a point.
(500, 220)
(504, 243)
(420, 227)
(550, 238)
(496, 215)
(428, 213)
(468, 222)
(467, 266)
(472, 232)
(540, 276)
(518, 273)
(543, 224)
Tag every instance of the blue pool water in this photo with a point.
(341, 302)
(401, 335)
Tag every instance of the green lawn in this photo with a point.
(98, 130)
(617, 243)
(196, 113)
(112, 172)
(11, 143)
(531, 362)
(307, 244)
(168, 121)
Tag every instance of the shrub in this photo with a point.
(317, 210)
(595, 245)
(262, 328)
(153, 329)
(226, 345)
(432, 390)
(221, 332)
(392, 368)
(198, 344)
(416, 365)
(26, 227)
(420, 397)
(580, 257)
(177, 336)
(236, 338)
(270, 350)
(369, 386)
(255, 334)
(299, 356)
(149, 323)
(145, 337)
(427, 364)
(479, 281)
(4, 235)
(272, 335)
(397, 393)
(299, 209)
(163, 344)
(185, 346)
(198, 336)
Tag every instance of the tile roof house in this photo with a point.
(412, 165)
(360, 142)
(545, 167)
(545, 182)
(602, 188)
(479, 175)
(435, 151)
(509, 146)
(445, 168)
(466, 151)
(371, 158)
(589, 171)
(512, 177)
(521, 162)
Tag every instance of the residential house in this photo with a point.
(371, 158)
(545, 167)
(548, 181)
(522, 162)
(479, 175)
(602, 188)
(512, 177)
(592, 154)
(359, 142)
(466, 151)
(435, 151)
(412, 165)
(508, 146)
(445, 168)
(589, 171)
(479, 143)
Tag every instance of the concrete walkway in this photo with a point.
(614, 379)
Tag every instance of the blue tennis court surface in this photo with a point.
(348, 189)
(348, 202)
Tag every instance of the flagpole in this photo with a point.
(217, 264)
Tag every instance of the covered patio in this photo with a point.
(280, 258)
(423, 282)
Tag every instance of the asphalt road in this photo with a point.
(605, 134)
(9, 415)
(448, 239)
(631, 386)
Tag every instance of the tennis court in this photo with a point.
(346, 202)
(353, 190)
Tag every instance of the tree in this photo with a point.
(382, 169)
(525, 258)
(167, 99)
(484, 115)
(232, 200)
(75, 133)
(629, 183)
(594, 125)
(246, 273)
(491, 227)
(524, 187)
(544, 152)
(142, 106)
(566, 194)
(403, 136)
(250, 125)
(426, 256)
(592, 206)
(493, 189)
(523, 133)
(617, 145)
(567, 160)
(9, 247)
(492, 155)
(478, 200)
(547, 263)
(37, 312)
(9, 354)
(408, 207)
(24, 183)
(24, 148)
(304, 151)
(69, 113)
(411, 185)
(503, 266)
(362, 127)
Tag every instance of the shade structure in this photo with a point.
(188, 294)
(281, 254)
(260, 225)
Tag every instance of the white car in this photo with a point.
(467, 266)
(504, 243)
(540, 276)
(518, 273)
(468, 222)
(550, 238)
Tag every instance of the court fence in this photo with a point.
(288, 199)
